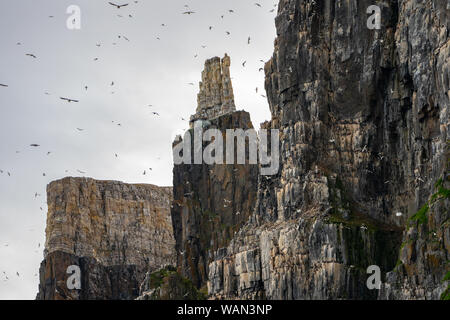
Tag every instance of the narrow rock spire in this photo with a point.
(216, 91)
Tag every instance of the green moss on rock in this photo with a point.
(168, 284)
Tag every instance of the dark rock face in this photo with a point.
(363, 118)
(168, 284)
(422, 270)
(113, 232)
(98, 282)
(211, 203)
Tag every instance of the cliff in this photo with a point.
(215, 97)
(211, 202)
(363, 117)
(112, 231)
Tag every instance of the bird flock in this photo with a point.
(121, 10)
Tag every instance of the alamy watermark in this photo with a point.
(374, 280)
(191, 149)
(74, 280)
(73, 22)
(374, 20)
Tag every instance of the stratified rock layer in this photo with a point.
(363, 118)
(216, 90)
(211, 202)
(114, 232)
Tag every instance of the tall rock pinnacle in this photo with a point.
(216, 91)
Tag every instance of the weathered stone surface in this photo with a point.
(363, 118)
(422, 270)
(168, 284)
(114, 232)
(216, 90)
(211, 202)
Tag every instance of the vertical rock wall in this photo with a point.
(114, 232)
(216, 90)
(211, 202)
(363, 118)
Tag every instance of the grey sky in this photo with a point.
(144, 70)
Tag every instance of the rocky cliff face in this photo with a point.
(211, 202)
(363, 118)
(114, 233)
(216, 90)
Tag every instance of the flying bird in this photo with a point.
(248, 40)
(257, 4)
(3, 85)
(69, 100)
(189, 12)
(156, 113)
(243, 63)
(34, 145)
(31, 55)
(118, 6)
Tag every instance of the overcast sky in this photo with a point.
(145, 71)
